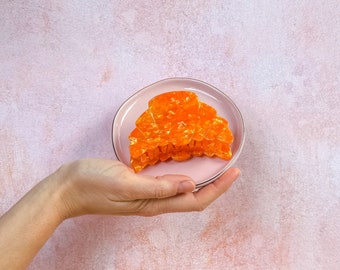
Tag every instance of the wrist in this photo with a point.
(61, 188)
(32, 219)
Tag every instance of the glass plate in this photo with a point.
(203, 170)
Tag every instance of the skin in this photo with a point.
(95, 186)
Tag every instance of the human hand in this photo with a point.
(97, 186)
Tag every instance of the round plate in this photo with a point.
(203, 170)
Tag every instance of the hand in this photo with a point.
(97, 186)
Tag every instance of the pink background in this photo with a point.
(66, 66)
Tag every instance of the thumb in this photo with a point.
(163, 186)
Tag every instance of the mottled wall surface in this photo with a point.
(66, 66)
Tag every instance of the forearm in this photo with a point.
(27, 226)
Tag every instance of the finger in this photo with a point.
(148, 187)
(188, 202)
(184, 183)
(211, 192)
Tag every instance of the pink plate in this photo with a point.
(203, 170)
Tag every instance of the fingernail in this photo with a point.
(185, 186)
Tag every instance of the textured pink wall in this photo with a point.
(66, 66)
